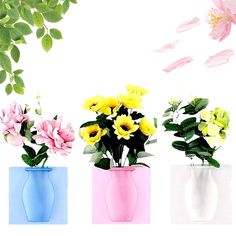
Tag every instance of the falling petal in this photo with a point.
(178, 63)
(187, 25)
(168, 46)
(219, 58)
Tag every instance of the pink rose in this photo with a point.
(11, 119)
(59, 140)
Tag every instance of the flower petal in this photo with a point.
(220, 4)
(219, 58)
(187, 25)
(168, 46)
(178, 63)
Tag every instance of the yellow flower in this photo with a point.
(94, 103)
(136, 90)
(210, 129)
(92, 134)
(131, 100)
(206, 115)
(124, 126)
(110, 106)
(215, 141)
(146, 128)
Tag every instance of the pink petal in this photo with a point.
(187, 25)
(178, 63)
(219, 58)
(16, 140)
(220, 4)
(168, 46)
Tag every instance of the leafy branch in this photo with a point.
(17, 19)
(193, 142)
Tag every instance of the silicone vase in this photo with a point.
(121, 194)
(38, 195)
(201, 194)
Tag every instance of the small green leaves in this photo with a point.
(40, 32)
(3, 76)
(104, 163)
(56, 34)
(23, 28)
(5, 37)
(47, 42)
(18, 89)
(5, 62)
(15, 53)
(213, 162)
(89, 149)
(38, 111)
(180, 145)
(52, 16)
(38, 19)
(8, 89)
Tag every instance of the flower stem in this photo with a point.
(44, 162)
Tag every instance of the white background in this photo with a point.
(108, 44)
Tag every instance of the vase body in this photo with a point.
(121, 194)
(201, 194)
(38, 195)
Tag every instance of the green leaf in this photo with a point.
(15, 53)
(204, 155)
(40, 32)
(38, 159)
(42, 7)
(66, 6)
(18, 89)
(38, 19)
(189, 135)
(213, 162)
(88, 124)
(167, 121)
(13, 13)
(27, 160)
(151, 141)
(101, 120)
(188, 121)
(201, 104)
(104, 164)
(18, 72)
(131, 157)
(47, 42)
(96, 157)
(3, 76)
(144, 154)
(155, 122)
(172, 127)
(30, 151)
(52, 3)
(8, 89)
(73, 1)
(27, 15)
(38, 111)
(141, 164)
(5, 37)
(180, 145)
(55, 33)
(19, 81)
(23, 28)
(89, 149)
(42, 150)
(52, 16)
(5, 62)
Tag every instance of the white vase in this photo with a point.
(201, 194)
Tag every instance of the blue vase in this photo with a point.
(38, 195)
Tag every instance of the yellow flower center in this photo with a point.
(216, 19)
(125, 127)
(93, 134)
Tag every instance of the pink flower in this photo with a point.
(221, 19)
(168, 46)
(59, 140)
(12, 119)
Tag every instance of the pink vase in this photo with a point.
(121, 194)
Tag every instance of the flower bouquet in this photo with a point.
(201, 130)
(117, 126)
(38, 141)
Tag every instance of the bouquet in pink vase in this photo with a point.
(39, 140)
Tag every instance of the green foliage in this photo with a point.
(193, 143)
(18, 19)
